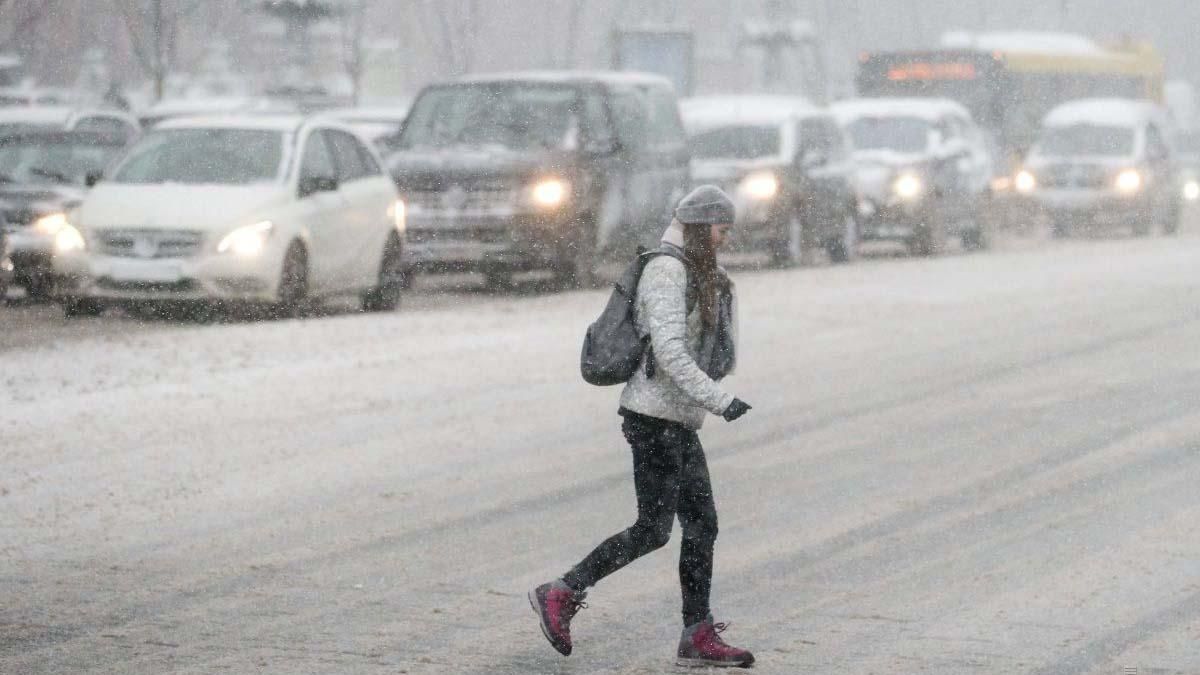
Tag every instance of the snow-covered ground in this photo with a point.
(975, 464)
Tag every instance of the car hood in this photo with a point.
(875, 170)
(436, 170)
(724, 171)
(178, 207)
(21, 204)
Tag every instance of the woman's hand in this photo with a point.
(735, 410)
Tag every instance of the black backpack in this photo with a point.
(612, 348)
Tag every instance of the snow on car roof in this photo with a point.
(924, 108)
(35, 114)
(236, 121)
(566, 77)
(1023, 42)
(1117, 112)
(709, 111)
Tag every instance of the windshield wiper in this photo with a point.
(51, 174)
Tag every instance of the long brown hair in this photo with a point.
(698, 249)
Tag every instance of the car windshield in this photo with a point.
(737, 142)
(511, 116)
(1086, 139)
(53, 160)
(204, 156)
(901, 134)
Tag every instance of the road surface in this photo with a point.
(975, 464)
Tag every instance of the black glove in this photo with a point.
(735, 410)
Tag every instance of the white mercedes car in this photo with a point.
(271, 210)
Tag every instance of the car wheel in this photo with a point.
(576, 264)
(74, 308)
(1141, 228)
(498, 278)
(385, 297)
(841, 250)
(293, 282)
(39, 287)
(976, 239)
(1173, 220)
(927, 241)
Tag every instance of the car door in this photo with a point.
(320, 210)
(369, 198)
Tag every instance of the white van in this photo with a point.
(1102, 164)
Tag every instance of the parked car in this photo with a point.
(112, 122)
(787, 166)
(178, 108)
(1100, 164)
(503, 173)
(923, 171)
(45, 172)
(380, 124)
(240, 209)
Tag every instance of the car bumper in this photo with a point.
(211, 277)
(1093, 207)
(32, 253)
(437, 243)
(894, 222)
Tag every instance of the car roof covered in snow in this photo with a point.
(235, 121)
(565, 77)
(706, 112)
(1117, 112)
(923, 108)
(35, 114)
(1023, 42)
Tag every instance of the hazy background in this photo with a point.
(405, 43)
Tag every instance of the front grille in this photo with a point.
(483, 235)
(182, 286)
(150, 243)
(1066, 176)
(453, 201)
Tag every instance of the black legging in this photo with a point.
(670, 476)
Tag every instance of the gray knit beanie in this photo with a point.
(706, 205)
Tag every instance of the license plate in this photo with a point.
(153, 271)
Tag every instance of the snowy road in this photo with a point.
(976, 464)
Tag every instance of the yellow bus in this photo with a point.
(1010, 81)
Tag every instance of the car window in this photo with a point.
(629, 113)
(663, 126)
(598, 131)
(368, 160)
(821, 135)
(108, 126)
(317, 161)
(347, 155)
(204, 156)
(1155, 147)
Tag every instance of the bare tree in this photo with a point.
(352, 22)
(153, 27)
(21, 18)
(454, 23)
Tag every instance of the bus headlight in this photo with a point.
(67, 238)
(908, 187)
(1128, 182)
(1191, 190)
(1025, 182)
(760, 186)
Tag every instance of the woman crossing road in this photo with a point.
(685, 303)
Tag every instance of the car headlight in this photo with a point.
(247, 241)
(398, 214)
(762, 185)
(908, 187)
(67, 238)
(1025, 182)
(549, 193)
(1128, 181)
(1191, 190)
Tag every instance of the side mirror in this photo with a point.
(310, 185)
(92, 177)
